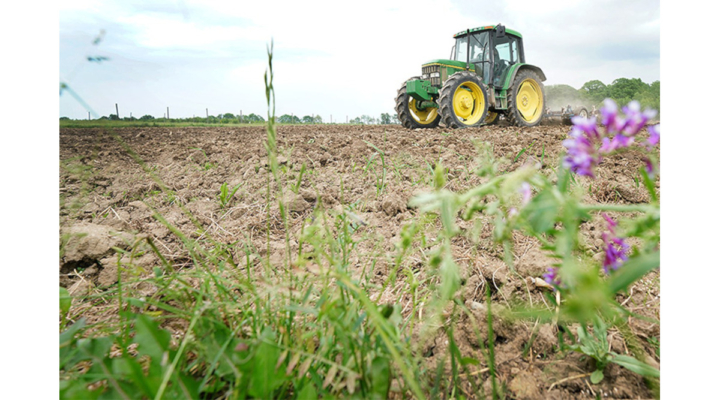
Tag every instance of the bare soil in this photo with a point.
(107, 202)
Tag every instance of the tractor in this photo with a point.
(485, 77)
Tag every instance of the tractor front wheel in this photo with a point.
(527, 99)
(409, 115)
(463, 101)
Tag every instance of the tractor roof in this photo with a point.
(487, 28)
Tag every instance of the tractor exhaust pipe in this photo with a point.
(467, 63)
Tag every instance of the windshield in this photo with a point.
(478, 47)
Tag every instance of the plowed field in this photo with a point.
(110, 199)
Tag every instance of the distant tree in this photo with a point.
(285, 119)
(395, 119)
(356, 120)
(624, 90)
(385, 118)
(317, 119)
(307, 119)
(253, 118)
(146, 117)
(594, 91)
(104, 118)
(113, 117)
(228, 116)
(64, 119)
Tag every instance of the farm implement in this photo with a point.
(565, 114)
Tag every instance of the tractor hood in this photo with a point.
(448, 64)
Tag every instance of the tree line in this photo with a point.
(229, 118)
(592, 93)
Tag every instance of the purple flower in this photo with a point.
(616, 249)
(587, 144)
(610, 118)
(654, 138)
(617, 142)
(650, 168)
(582, 154)
(636, 120)
(552, 277)
(616, 253)
(611, 224)
(526, 192)
(587, 125)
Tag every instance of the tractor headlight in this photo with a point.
(435, 75)
(424, 76)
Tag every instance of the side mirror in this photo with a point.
(499, 30)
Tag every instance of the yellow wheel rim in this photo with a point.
(468, 103)
(491, 117)
(529, 100)
(423, 117)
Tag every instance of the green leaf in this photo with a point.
(264, 378)
(635, 365)
(308, 392)
(448, 213)
(151, 339)
(97, 348)
(633, 269)
(65, 301)
(449, 276)
(596, 377)
(68, 336)
(380, 377)
(469, 360)
(542, 211)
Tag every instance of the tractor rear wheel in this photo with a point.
(527, 99)
(409, 115)
(463, 101)
(583, 112)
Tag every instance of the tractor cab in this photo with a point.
(491, 52)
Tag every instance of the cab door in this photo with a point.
(505, 55)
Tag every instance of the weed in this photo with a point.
(226, 195)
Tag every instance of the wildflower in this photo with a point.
(552, 277)
(610, 118)
(654, 138)
(512, 212)
(582, 155)
(588, 144)
(616, 249)
(636, 120)
(618, 141)
(526, 192)
(650, 168)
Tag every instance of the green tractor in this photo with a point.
(486, 76)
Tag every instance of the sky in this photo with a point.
(339, 59)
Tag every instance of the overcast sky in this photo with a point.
(331, 57)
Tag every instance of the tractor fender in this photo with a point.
(519, 67)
